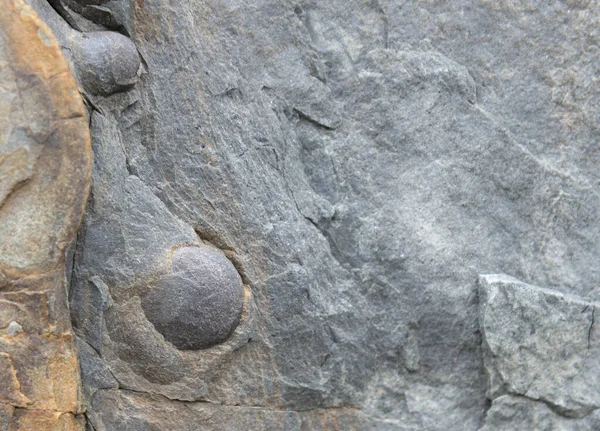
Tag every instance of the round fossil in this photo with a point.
(199, 303)
(106, 62)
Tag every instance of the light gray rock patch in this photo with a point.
(540, 344)
(510, 413)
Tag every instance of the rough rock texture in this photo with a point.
(540, 344)
(117, 410)
(359, 163)
(510, 413)
(45, 165)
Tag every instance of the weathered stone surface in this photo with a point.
(94, 372)
(509, 413)
(45, 165)
(360, 163)
(540, 344)
(138, 267)
(38, 94)
(117, 410)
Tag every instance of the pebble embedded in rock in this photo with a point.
(105, 62)
(14, 328)
(199, 303)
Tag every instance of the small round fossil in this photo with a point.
(106, 62)
(199, 303)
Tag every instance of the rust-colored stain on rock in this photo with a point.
(45, 169)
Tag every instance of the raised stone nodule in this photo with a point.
(106, 62)
(199, 303)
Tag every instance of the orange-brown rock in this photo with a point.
(45, 167)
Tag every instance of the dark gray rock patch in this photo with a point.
(106, 62)
(199, 303)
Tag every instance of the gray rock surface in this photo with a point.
(360, 163)
(510, 413)
(145, 412)
(540, 344)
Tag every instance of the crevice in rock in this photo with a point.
(216, 241)
(15, 188)
(30, 408)
(83, 12)
(561, 411)
(589, 336)
(306, 117)
(80, 338)
(247, 406)
(63, 13)
(89, 423)
(155, 394)
(589, 339)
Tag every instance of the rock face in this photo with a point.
(45, 166)
(541, 345)
(515, 413)
(292, 203)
